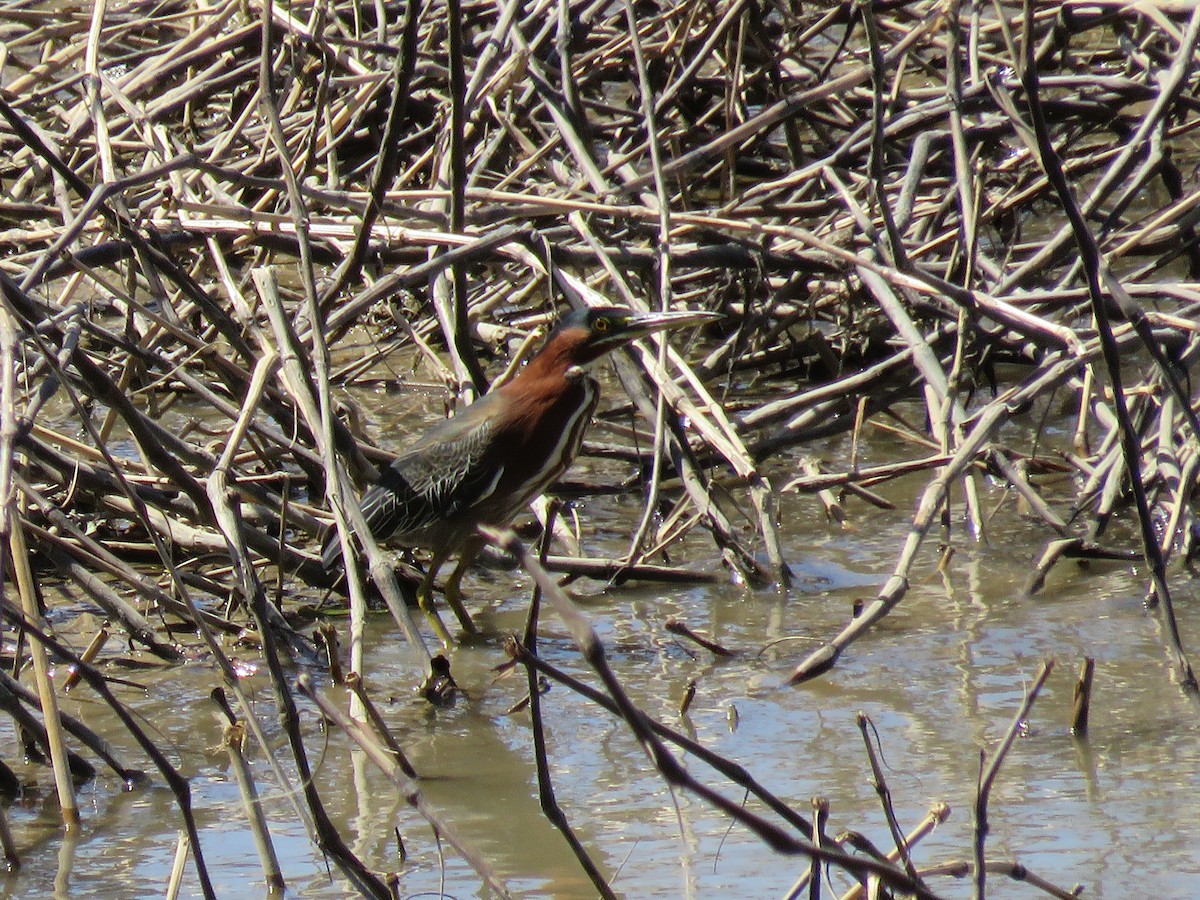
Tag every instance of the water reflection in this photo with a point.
(940, 678)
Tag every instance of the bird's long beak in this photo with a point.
(641, 324)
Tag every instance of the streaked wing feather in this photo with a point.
(434, 480)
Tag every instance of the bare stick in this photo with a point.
(45, 685)
(1129, 441)
(177, 783)
(546, 796)
(235, 741)
(1082, 703)
(664, 762)
(989, 773)
(937, 814)
(382, 758)
(866, 727)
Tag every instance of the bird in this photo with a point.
(485, 464)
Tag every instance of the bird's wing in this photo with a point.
(391, 505)
(447, 471)
(450, 468)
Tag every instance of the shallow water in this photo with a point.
(940, 678)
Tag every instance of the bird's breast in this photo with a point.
(550, 426)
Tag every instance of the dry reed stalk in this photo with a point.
(903, 853)
(12, 692)
(1082, 698)
(12, 859)
(95, 645)
(179, 861)
(553, 811)
(937, 814)
(235, 742)
(47, 698)
(382, 757)
(879, 198)
(989, 773)
(661, 758)
(1013, 870)
(358, 688)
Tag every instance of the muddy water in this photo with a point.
(941, 679)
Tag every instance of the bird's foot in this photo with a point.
(439, 687)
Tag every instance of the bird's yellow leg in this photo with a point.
(453, 595)
(425, 597)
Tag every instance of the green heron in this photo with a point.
(484, 465)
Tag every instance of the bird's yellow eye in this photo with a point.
(600, 325)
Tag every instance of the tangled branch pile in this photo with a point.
(978, 206)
